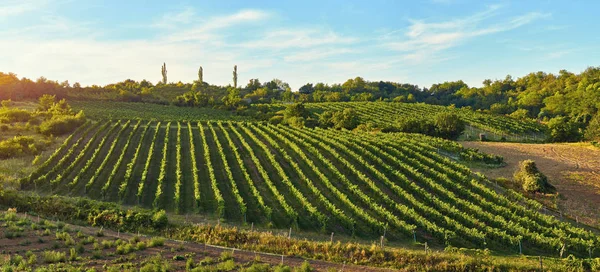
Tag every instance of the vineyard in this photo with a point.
(385, 114)
(150, 111)
(393, 185)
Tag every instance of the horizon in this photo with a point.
(420, 44)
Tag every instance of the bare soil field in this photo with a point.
(574, 169)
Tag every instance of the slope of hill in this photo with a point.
(386, 114)
(571, 168)
(395, 185)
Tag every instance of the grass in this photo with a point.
(14, 169)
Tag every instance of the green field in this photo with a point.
(385, 114)
(366, 185)
(150, 111)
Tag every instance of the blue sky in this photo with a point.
(419, 42)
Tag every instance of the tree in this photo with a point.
(307, 89)
(164, 73)
(235, 76)
(563, 130)
(521, 114)
(295, 110)
(232, 99)
(449, 125)
(253, 84)
(46, 102)
(343, 119)
(200, 75)
(592, 133)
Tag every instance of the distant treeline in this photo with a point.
(567, 101)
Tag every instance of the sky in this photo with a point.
(417, 42)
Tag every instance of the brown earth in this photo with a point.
(574, 169)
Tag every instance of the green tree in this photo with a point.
(200, 75)
(46, 102)
(564, 130)
(449, 125)
(306, 89)
(592, 132)
(345, 119)
(163, 71)
(295, 110)
(232, 99)
(235, 76)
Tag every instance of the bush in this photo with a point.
(160, 220)
(532, 180)
(54, 257)
(156, 242)
(15, 115)
(305, 267)
(295, 110)
(449, 125)
(19, 145)
(347, 119)
(62, 124)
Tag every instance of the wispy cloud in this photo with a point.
(174, 19)
(423, 39)
(557, 54)
(205, 29)
(258, 41)
(17, 7)
(317, 54)
(297, 38)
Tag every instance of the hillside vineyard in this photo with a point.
(361, 184)
(385, 114)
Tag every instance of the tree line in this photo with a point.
(567, 102)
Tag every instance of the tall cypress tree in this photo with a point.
(235, 76)
(164, 73)
(200, 75)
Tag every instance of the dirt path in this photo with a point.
(574, 169)
(28, 242)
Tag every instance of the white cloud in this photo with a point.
(316, 54)
(61, 49)
(173, 19)
(297, 38)
(18, 7)
(205, 29)
(423, 39)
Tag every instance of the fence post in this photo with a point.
(331, 239)
(541, 264)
